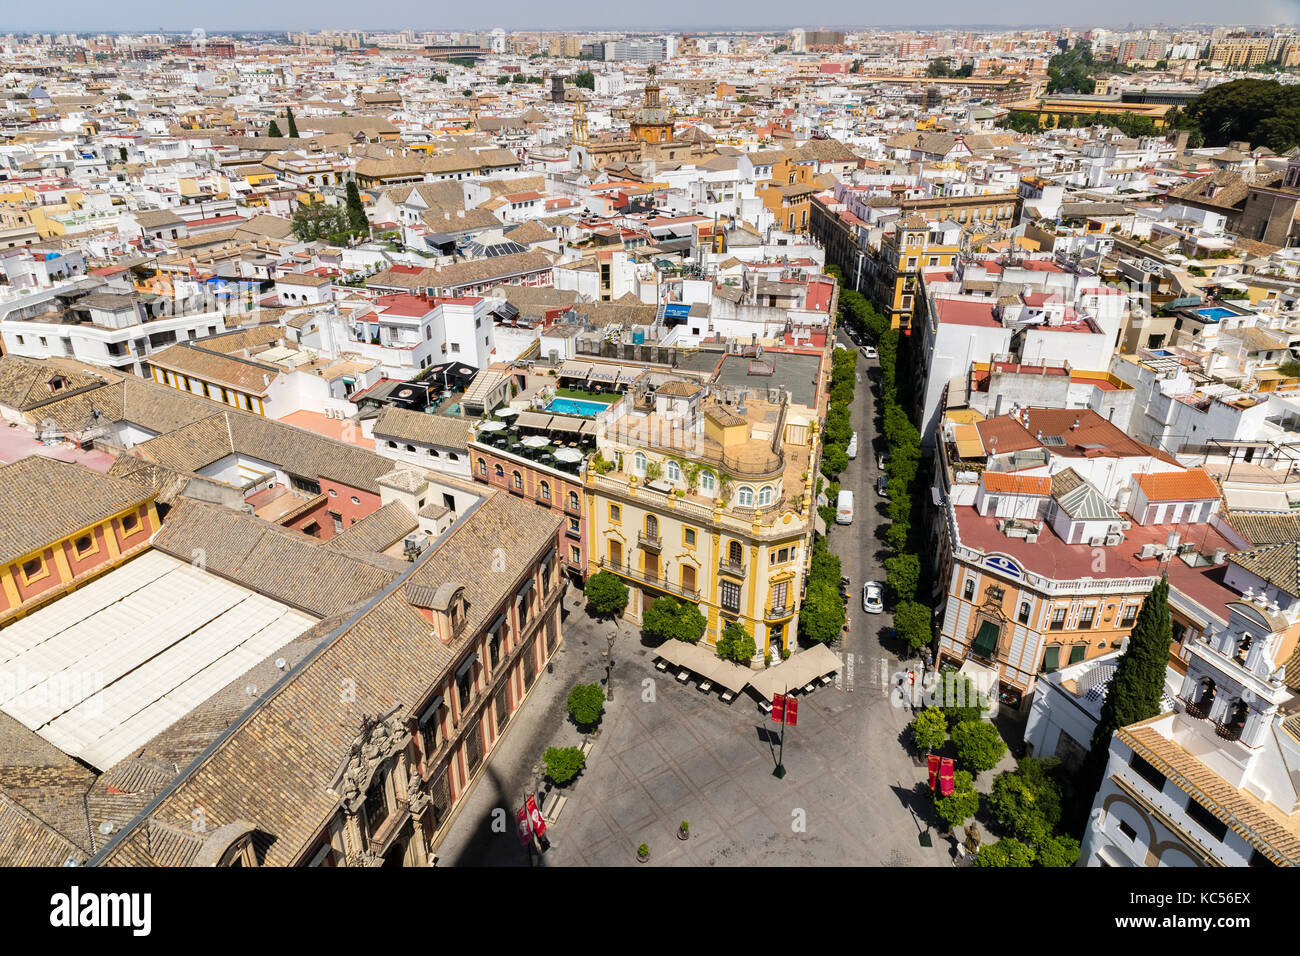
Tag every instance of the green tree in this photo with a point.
(1059, 851)
(562, 764)
(318, 221)
(961, 700)
(669, 619)
(1027, 801)
(930, 729)
(1005, 853)
(356, 210)
(606, 594)
(960, 805)
(979, 745)
(1261, 112)
(838, 428)
(834, 460)
(586, 80)
(586, 704)
(938, 67)
(736, 644)
(821, 618)
(1136, 689)
(1290, 368)
(293, 126)
(274, 130)
(121, 152)
(913, 623)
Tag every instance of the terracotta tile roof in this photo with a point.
(296, 450)
(376, 531)
(242, 374)
(25, 383)
(402, 425)
(1001, 481)
(287, 565)
(1264, 826)
(1260, 528)
(26, 840)
(43, 500)
(1190, 485)
(1278, 564)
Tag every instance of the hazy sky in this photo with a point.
(97, 15)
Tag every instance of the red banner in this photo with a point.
(933, 761)
(778, 708)
(535, 815)
(946, 785)
(525, 830)
(791, 711)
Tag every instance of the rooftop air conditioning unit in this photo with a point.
(1114, 539)
(1148, 551)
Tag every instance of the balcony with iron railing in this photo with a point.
(735, 569)
(655, 581)
(1195, 711)
(650, 541)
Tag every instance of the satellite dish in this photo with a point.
(280, 662)
(106, 828)
(251, 690)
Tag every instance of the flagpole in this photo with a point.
(779, 772)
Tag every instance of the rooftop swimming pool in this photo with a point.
(575, 406)
(1214, 314)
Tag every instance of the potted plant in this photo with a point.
(642, 853)
(684, 831)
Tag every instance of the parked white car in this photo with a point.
(852, 450)
(873, 598)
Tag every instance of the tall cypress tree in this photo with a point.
(1137, 686)
(357, 220)
(274, 130)
(293, 127)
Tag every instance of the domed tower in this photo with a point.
(652, 124)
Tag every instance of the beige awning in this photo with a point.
(604, 373)
(588, 428)
(704, 661)
(801, 669)
(575, 370)
(562, 423)
(533, 420)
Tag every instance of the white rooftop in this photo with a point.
(105, 669)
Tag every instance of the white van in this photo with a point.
(844, 508)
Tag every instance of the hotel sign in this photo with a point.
(1003, 565)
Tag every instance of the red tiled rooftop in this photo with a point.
(1002, 481)
(1190, 485)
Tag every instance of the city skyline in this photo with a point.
(513, 15)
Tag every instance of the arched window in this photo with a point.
(453, 456)
(482, 467)
(518, 480)
(673, 470)
(651, 526)
(764, 496)
(546, 491)
(745, 496)
(433, 453)
(501, 472)
(707, 482)
(573, 501)
(638, 463)
(735, 554)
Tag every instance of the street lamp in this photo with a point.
(609, 664)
